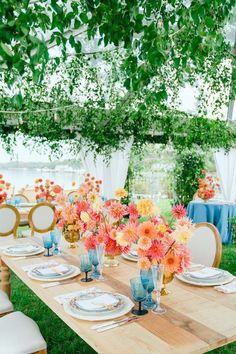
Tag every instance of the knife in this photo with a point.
(117, 324)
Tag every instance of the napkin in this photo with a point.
(22, 248)
(67, 297)
(133, 253)
(228, 288)
(29, 267)
(99, 302)
(204, 273)
(58, 269)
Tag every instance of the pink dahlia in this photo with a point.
(179, 211)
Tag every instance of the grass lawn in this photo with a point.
(60, 338)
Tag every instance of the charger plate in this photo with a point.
(100, 316)
(129, 257)
(7, 251)
(75, 271)
(224, 279)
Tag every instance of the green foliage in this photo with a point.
(188, 169)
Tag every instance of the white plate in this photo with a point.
(23, 254)
(128, 305)
(84, 302)
(129, 258)
(226, 278)
(56, 278)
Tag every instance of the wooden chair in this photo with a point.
(42, 218)
(205, 245)
(23, 197)
(9, 220)
(5, 304)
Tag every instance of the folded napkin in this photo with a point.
(99, 302)
(227, 288)
(206, 272)
(29, 267)
(67, 297)
(55, 269)
(22, 248)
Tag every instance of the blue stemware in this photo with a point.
(139, 295)
(85, 266)
(94, 260)
(56, 238)
(147, 281)
(47, 242)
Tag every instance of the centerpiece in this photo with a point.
(46, 191)
(207, 186)
(159, 243)
(4, 188)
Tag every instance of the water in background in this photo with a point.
(20, 177)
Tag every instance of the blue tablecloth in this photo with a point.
(218, 214)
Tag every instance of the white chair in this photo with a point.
(19, 334)
(41, 219)
(9, 220)
(205, 245)
(22, 197)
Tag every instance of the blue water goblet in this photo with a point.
(139, 295)
(147, 281)
(47, 242)
(56, 238)
(94, 260)
(85, 266)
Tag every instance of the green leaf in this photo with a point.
(84, 18)
(7, 49)
(210, 22)
(18, 99)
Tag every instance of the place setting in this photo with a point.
(23, 250)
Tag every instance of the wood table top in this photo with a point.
(197, 319)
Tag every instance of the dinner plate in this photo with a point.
(51, 270)
(224, 279)
(74, 272)
(100, 316)
(21, 250)
(129, 257)
(96, 301)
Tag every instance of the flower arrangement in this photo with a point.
(4, 188)
(46, 191)
(207, 186)
(159, 243)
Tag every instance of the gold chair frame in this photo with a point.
(218, 240)
(31, 224)
(75, 192)
(17, 223)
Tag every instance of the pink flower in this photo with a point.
(117, 210)
(157, 250)
(144, 263)
(179, 211)
(90, 242)
(132, 211)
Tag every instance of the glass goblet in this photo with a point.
(56, 238)
(100, 249)
(147, 281)
(85, 266)
(94, 260)
(139, 295)
(157, 275)
(47, 242)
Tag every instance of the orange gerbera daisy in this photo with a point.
(130, 233)
(171, 262)
(144, 243)
(144, 263)
(147, 229)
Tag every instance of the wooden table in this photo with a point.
(197, 319)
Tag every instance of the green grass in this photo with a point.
(60, 338)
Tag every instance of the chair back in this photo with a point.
(22, 198)
(9, 220)
(42, 218)
(205, 245)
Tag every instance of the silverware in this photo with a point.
(121, 323)
(56, 283)
(106, 324)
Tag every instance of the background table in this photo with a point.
(197, 319)
(216, 213)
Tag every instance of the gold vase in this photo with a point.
(110, 261)
(71, 236)
(167, 278)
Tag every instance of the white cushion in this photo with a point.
(5, 303)
(19, 334)
(43, 217)
(7, 220)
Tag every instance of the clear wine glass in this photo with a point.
(100, 249)
(157, 274)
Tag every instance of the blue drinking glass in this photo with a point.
(94, 260)
(147, 281)
(139, 295)
(56, 238)
(85, 266)
(47, 242)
